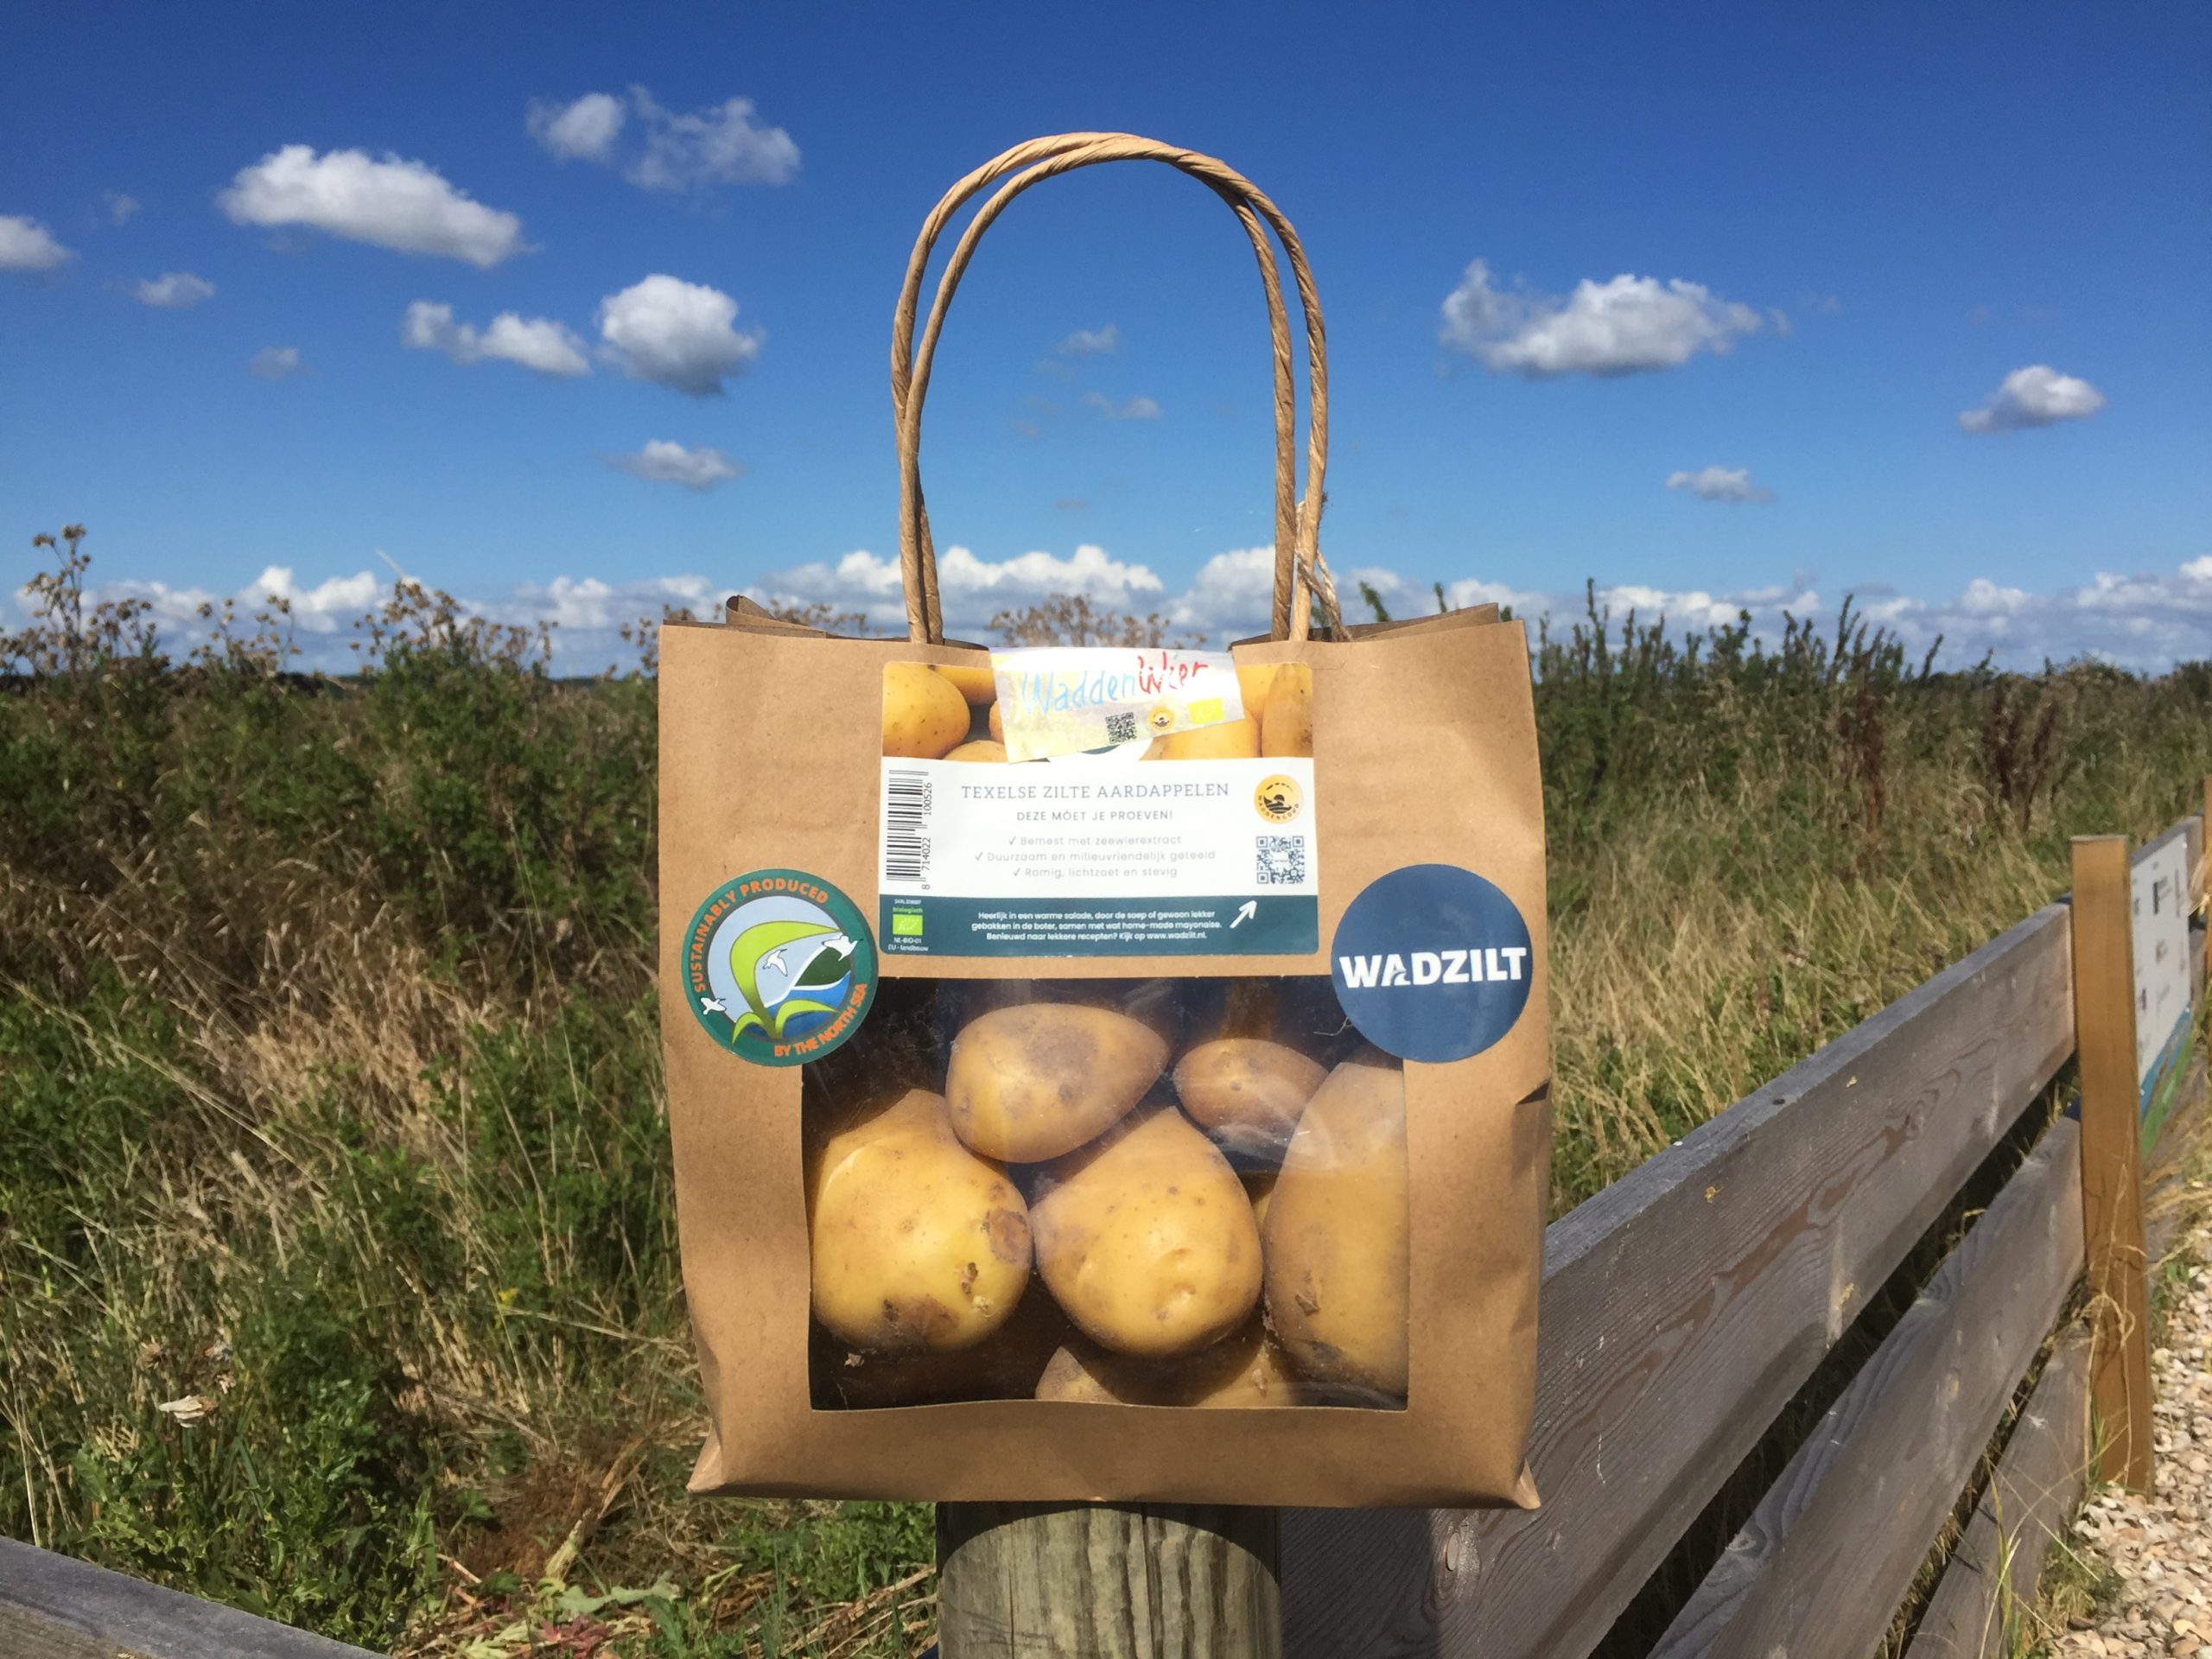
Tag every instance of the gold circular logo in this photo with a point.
(1279, 799)
(1161, 719)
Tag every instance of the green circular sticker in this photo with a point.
(778, 966)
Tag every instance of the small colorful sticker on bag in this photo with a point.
(1061, 700)
(778, 966)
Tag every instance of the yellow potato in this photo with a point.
(976, 684)
(997, 724)
(1232, 739)
(1246, 1092)
(919, 1245)
(1031, 1081)
(1155, 1002)
(1287, 727)
(1005, 1365)
(924, 714)
(1146, 1239)
(1243, 1369)
(981, 749)
(1253, 683)
(1339, 1234)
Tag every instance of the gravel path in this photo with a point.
(2159, 1547)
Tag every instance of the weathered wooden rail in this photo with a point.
(1684, 1309)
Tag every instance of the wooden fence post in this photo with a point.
(2112, 1214)
(1106, 1581)
(2201, 876)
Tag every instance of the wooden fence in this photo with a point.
(1686, 1305)
(1684, 1309)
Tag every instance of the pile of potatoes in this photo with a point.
(952, 714)
(1176, 1193)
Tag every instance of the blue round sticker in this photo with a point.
(1432, 962)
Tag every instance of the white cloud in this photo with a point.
(720, 144)
(537, 343)
(174, 290)
(1137, 409)
(583, 130)
(1694, 607)
(587, 612)
(675, 334)
(329, 608)
(332, 604)
(971, 590)
(1230, 597)
(392, 203)
(1730, 483)
(120, 208)
(663, 461)
(276, 362)
(1233, 592)
(26, 244)
(1090, 342)
(2035, 395)
(1621, 327)
(2146, 621)
(1402, 597)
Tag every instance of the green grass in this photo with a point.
(331, 1114)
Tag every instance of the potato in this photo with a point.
(1155, 1002)
(919, 1245)
(1146, 1239)
(1005, 1365)
(1232, 739)
(1339, 1234)
(924, 714)
(981, 749)
(1247, 1092)
(997, 726)
(1031, 1081)
(976, 684)
(1254, 683)
(1287, 727)
(1243, 1369)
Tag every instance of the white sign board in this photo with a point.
(2160, 880)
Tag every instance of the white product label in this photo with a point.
(2159, 888)
(1118, 857)
(1058, 700)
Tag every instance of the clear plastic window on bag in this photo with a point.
(1159, 1192)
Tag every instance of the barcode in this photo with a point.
(1122, 728)
(1282, 861)
(906, 817)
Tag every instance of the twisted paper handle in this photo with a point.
(1298, 566)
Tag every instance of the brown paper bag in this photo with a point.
(1205, 1098)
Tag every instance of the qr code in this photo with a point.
(1282, 861)
(1122, 728)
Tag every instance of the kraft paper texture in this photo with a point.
(1424, 752)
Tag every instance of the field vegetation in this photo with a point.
(338, 1273)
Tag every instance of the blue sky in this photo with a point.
(1771, 256)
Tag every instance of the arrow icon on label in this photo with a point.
(1250, 908)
